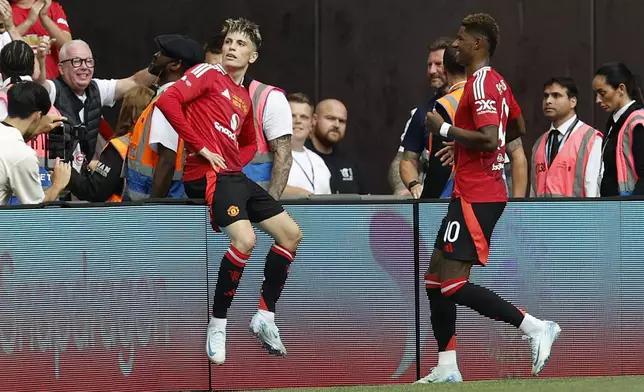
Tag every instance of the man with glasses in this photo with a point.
(80, 98)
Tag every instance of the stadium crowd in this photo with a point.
(299, 152)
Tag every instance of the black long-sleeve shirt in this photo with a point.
(609, 185)
(100, 184)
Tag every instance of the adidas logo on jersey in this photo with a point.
(226, 94)
(225, 131)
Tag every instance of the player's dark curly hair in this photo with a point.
(244, 26)
(486, 26)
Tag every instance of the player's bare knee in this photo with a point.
(244, 243)
(292, 236)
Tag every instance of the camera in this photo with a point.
(61, 142)
(76, 132)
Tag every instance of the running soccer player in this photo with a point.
(480, 132)
(212, 112)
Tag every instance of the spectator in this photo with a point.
(17, 64)
(106, 181)
(329, 128)
(38, 18)
(618, 93)
(8, 31)
(212, 50)
(569, 144)
(437, 174)
(80, 98)
(155, 162)
(309, 174)
(19, 174)
(415, 138)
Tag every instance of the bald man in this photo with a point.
(329, 127)
(80, 98)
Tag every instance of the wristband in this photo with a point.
(445, 129)
(412, 184)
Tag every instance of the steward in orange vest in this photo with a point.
(106, 182)
(566, 160)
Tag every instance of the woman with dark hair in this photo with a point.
(106, 181)
(617, 92)
(18, 63)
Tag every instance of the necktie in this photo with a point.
(554, 145)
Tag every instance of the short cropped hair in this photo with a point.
(26, 98)
(485, 25)
(450, 64)
(243, 26)
(567, 83)
(440, 43)
(299, 98)
(214, 44)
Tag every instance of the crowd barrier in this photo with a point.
(117, 298)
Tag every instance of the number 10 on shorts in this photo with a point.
(452, 231)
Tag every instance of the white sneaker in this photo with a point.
(444, 373)
(216, 343)
(541, 345)
(268, 333)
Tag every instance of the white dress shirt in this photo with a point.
(621, 111)
(594, 164)
(19, 171)
(309, 172)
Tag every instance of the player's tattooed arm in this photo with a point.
(513, 145)
(395, 181)
(516, 129)
(409, 167)
(519, 167)
(282, 161)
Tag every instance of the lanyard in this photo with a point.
(563, 140)
(311, 181)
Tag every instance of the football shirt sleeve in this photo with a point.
(187, 89)
(486, 101)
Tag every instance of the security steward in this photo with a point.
(437, 174)
(106, 181)
(156, 154)
(566, 160)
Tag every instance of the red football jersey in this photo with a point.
(487, 100)
(32, 36)
(208, 109)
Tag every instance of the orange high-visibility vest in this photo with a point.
(626, 176)
(260, 168)
(142, 160)
(450, 103)
(566, 176)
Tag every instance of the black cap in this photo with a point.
(180, 47)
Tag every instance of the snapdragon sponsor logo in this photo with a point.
(85, 314)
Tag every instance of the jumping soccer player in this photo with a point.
(213, 114)
(480, 132)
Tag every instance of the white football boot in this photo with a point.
(216, 342)
(267, 333)
(541, 345)
(442, 373)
